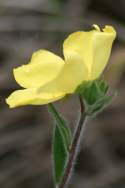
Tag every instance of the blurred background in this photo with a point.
(26, 132)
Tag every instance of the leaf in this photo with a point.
(62, 125)
(59, 155)
(61, 143)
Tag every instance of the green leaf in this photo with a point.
(59, 155)
(61, 143)
(62, 125)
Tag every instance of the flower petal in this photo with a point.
(44, 66)
(102, 45)
(32, 96)
(71, 75)
(80, 43)
(93, 47)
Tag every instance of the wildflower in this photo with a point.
(48, 77)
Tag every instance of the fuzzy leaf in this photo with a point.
(59, 155)
(62, 125)
(61, 143)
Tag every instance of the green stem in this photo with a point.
(74, 146)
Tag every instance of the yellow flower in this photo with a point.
(48, 77)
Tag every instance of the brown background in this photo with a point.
(26, 132)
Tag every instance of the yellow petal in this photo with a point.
(93, 47)
(44, 66)
(109, 29)
(71, 75)
(32, 96)
(102, 45)
(80, 43)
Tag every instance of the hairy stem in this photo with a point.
(74, 147)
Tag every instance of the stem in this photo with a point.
(74, 146)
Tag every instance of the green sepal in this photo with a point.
(94, 94)
(99, 105)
